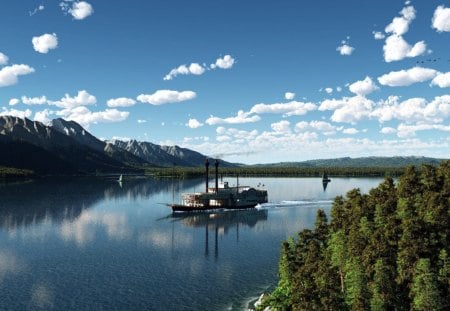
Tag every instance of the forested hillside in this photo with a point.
(387, 250)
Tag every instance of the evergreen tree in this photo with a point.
(425, 291)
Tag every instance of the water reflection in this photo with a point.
(66, 200)
(221, 221)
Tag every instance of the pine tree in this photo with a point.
(425, 291)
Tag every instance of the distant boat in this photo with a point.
(120, 179)
(325, 178)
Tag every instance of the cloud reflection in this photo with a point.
(83, 229)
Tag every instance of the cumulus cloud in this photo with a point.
(85, 117)
(14, 101)
(162, 97)
(45, 43)
(413, 109)
(293, 108)
(441, 19)
(350, 131)
(80, 10)
(242, 117)
(329, 90)
(194, 68)
(363, 87)
(140, 121)
(348, 109)
(120, 102)
(409, 130)
(407, 77)
(3, 59)
(225, 62)
(442, 80)
(289, 95)
(9, 74)
(321, 126)
(395, 47)
(378, 35)
(345, 48)
(34, 100)
(388, 130)
(43, 116)
(282, 126)
(16, 113)
(83, 98)
(194, 123)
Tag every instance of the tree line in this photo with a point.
(385, 250)
(191, 172)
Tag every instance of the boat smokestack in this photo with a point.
(216, 164)
(207, 174)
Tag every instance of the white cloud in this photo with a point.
(85, 117)
(407, 130)
(388, 130)
(162, 97)
(3, 59)
(140, 121)
(289, 95)
(39, 8)
(45, 43)
(339, 89)
(345, 49)
(442, 80)
(16, 113)
(350, 131)
(194, 68)
(194, 123)
(329, 90)
(413, 109)
(9, 74)
(34, 100)
(120, 102)
(14, 101)
(407, 77)
(441, 19)
(80, 10)
(378, 35)
(395, 47)
(321, 126)
(225, 62)
(363, 87)
(43, 116)
(281, 127)
(348, 109)
(242, 117)
(83, 98)
(292, 108)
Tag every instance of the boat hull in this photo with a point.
(186, 208)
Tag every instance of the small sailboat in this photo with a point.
(120, 178)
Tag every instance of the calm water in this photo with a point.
(89, 244)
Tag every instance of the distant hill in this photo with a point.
(358, 162)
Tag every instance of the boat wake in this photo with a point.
(290, 203)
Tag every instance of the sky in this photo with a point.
(245, 81)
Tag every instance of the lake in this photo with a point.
(92, 244)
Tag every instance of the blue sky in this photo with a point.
(248, 81)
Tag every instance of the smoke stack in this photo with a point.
(207, 173)
(216, 164)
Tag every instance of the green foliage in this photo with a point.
(387, 250)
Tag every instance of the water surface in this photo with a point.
(92, 244)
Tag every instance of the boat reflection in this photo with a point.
(221, 221)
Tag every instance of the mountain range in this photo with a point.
(65, 147)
